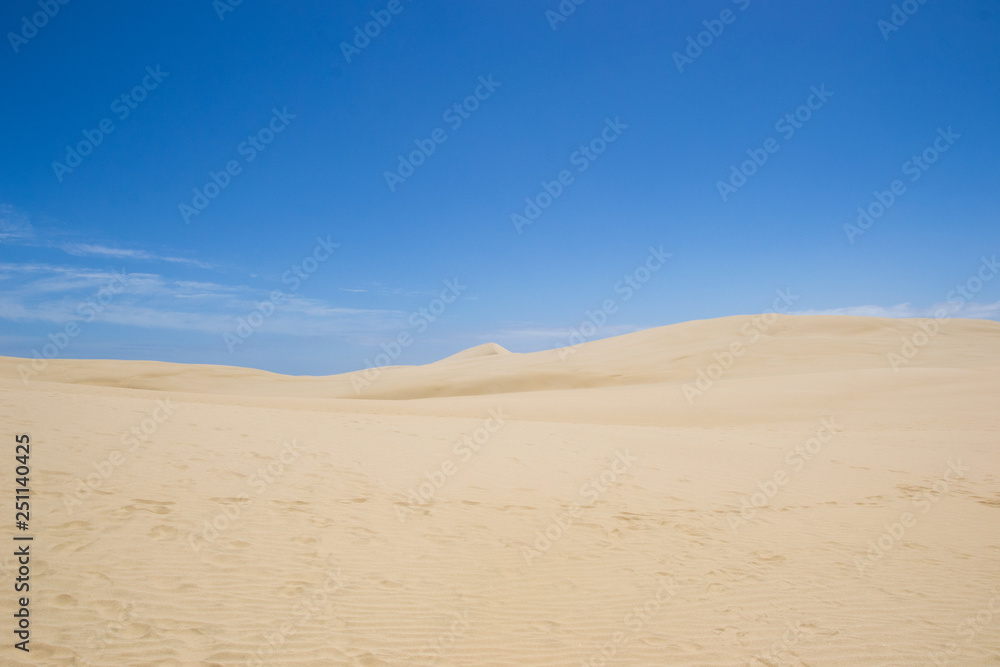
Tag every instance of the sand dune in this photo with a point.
(748, 490)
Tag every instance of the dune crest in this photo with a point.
(484, 350)
(749, 347)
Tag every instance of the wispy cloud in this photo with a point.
(95, 250)
(14, 225)
(968, 310)
(37, 279)
(16, 229)
(40, 291)
(88, 249)
(43, 292)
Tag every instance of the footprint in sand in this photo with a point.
(129, 510)
(64, 601)
(163, 533)
(154, 506)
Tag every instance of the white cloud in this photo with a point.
(14, 225)
(16, 229)
(60, 294)
(89, 249)
(968, 310)
(95, 250)
(900, 310)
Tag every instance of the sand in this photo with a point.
(639, 500)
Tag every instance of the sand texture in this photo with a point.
(637, 500)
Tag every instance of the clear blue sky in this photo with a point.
(65, 230)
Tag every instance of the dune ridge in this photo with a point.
(668, 354)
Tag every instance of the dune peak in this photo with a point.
(484, 350)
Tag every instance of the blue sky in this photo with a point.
(308, 130)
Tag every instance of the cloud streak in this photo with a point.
(96, 250)
(969, 310)
(54, 294)
(16, 229)
(14, 225)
